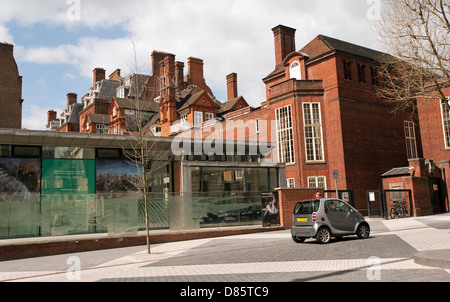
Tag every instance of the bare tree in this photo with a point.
(147, 152)
(417, 35)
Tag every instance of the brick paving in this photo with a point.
(386, 256)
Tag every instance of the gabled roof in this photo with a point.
(98, 118)
(333, 44)
(401, 171)
(230, 104)
(191, 99)
(136, 104)
(75, 113)
(328, 45)
(107, 89)
(189, 96)
(137, 83)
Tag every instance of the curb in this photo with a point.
(434, 258)
(15, 249)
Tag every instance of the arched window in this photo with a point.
(296, 71)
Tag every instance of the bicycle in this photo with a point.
(398, 209)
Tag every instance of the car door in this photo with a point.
(340, 215)
(348, 217)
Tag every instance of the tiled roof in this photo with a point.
(107, 89)
(192, 98)
(98, 118)
(229, 104)
(75, 113)
(137, 104)
(315, 50)
(342, 46)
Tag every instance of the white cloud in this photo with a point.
(5, 36)
(230, 36)
(69, 76)
(35, 117)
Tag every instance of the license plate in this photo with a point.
(302, 219)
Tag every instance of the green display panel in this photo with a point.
(65, 176)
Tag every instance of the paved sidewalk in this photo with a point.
(434, 245)
(392, 251)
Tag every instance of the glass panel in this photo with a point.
(4, 151)
(68, 153)
(256, 179)
(20, 177)
(26, 151)
(109, 153)
(116, 176)
(66, 176)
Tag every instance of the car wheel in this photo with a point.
(363, 231)
(323, 235)
(298, 239)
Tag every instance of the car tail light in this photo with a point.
(314, 217)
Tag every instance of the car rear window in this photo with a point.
(307, 207)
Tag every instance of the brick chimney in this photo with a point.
(71, 99)
(167, 74)
(51, 116)
(232, 90)
(115, 76)
(284, 42)
(179, 75)
(195, 70)
(99, 75)
(7, 48)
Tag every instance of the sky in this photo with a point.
(58, 43)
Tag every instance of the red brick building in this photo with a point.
(322, 97)
(329, 117)
(434, 119)
(10, 89)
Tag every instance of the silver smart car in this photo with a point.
(325, 218)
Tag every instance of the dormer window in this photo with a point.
(114, 111)
(295, 71)
(120, 92)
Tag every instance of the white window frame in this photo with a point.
(209, 116)
(315, 181)
(285, 135)
(312, 127)
(198, 118)
(295, 71)
(410, 137)
(291, 182)
(445, 116)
